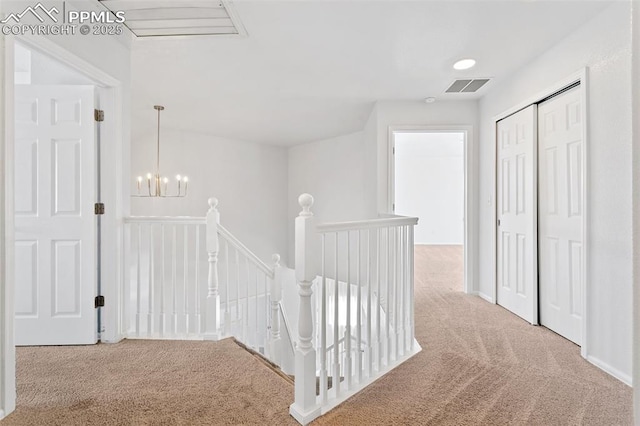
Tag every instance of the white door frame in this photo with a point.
(578, 77)
(113, 195)
(469, 208)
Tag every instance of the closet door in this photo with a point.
(517, 213)
(561, 214)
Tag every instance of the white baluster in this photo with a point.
(174, 278)
(162, 321)
(185, 279)
(227, 312)
(305, 408)
(255, 311)
(238, 283)
(336, 325)
(266, 323)
(378, 345)
(323, 329)
(197, 300)
(387, 302)
(347, 332)
(245, 307)
(411, 294)
(138, 281)
(150, 311)
(393, 283)
(403, 278)
(369, 353)
(359, 315)
(276, 296)
(212, 313)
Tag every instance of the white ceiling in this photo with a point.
(310, 70)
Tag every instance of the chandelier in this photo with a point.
(155, 184)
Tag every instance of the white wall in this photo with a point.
(33, 67)
(249, 180)
(603, 45)
(429, 184)
(331, 170)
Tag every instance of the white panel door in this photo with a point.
(54, 218)
(561, 214)
(517, 214)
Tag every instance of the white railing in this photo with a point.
(364, 306)
(190, 278)
(165, 259)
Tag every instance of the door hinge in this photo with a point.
(393, 207)
(394, 150)
(99, 115)
(498, 222)
(99, 301)
(99, 208)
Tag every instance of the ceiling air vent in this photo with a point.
(162, 18)
(467, 86)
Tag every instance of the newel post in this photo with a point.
(276, 298)
(305, 408)
(212, 311)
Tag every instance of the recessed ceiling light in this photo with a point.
(464, 64)
(430, 100)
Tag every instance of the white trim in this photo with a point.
(624, 378)
(8, 353)
(366, 224)
(580, 76)
(486, 297)
(470, 209)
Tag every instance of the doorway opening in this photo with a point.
(429, 183)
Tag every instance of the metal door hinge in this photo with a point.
(498, 222)
(99, 208)
(99, 115)
(99, 301)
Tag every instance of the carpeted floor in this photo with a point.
(480, 365)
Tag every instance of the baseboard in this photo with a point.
(485, 297)
(1, 414)
(624, 378)
(119, 338)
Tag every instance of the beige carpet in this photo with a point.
(146, 382)
(479, 365)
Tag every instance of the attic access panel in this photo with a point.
(161, 18)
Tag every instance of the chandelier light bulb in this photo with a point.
(178, 178)
(185, 179)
